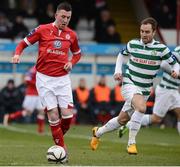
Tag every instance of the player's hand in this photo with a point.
(68, 66)
(118, 77)
(15, 59)
(174, 74)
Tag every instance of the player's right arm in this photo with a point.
(118, 68)
(20, 47)
(30, 39)
(119, 63)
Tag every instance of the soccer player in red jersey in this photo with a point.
(53, 66)
(31, 102)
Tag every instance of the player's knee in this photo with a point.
(53, 115)
(123, 120)
(142, 108)
(157, 120)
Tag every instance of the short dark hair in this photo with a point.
(64, 6)
(151, 21)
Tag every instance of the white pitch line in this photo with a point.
(16, 129)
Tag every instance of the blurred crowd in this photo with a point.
(164, 11)
(18, 17)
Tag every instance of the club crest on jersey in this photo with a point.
(57, 44)
(67, 36)
(154, 53)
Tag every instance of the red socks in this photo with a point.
(15, 115)
(57, 133)
(65, 124)
(41, 124)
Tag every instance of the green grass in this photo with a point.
(20, 145)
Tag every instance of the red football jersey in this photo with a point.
(54, 46)
(30, 79)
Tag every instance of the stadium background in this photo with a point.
(156, 146)
(99, 56)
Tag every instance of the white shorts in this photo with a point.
(128, 91)
(54, 91)
(31, 103)
(165, 100)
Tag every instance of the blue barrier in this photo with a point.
(99, 49)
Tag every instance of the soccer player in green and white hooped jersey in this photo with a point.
(146, 55)
(167, 98)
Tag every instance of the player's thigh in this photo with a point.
(49, 100)
(39, 105)
(29, 103)
(65, 99)
(133, 97)
(162, 102)
(139, 103)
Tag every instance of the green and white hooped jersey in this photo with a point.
(177, 49)
(169, 82)
(144, 63)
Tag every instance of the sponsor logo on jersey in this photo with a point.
(57, 52)
(144, 61)
(57, 44)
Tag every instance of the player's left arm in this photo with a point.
(76, 54)
(171, 59)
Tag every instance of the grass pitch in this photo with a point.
(20, 145)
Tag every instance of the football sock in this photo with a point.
(65, 124)
(135, 125)
(178, 126)
(41, 123)
(57, 133)
(146, 120)
(111, 125)
(15, 115)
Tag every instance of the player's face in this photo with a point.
(146, 33)
(62, 18)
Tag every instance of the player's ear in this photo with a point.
(55, 15)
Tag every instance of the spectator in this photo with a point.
(5, 26)
(10, 99)
(19, 30)
(101, 24)
(47, 16)
(100, 100)
(81, 100)
(111, 35)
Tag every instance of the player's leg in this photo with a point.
(139, 104)
(111, 125)
(13, 116)
(177, 112)
(176, 108)
(49, 101)
(40, 121)
(40, 116)
(66, 118)
(65, 102)
(54, 123)
(161, 106)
